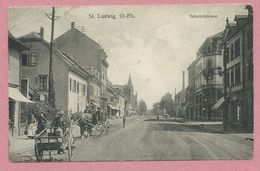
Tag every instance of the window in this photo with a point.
(227, 79)
(43, 82)
(74, 86)
(24, 59)
(227, 55)
(83, 89)
(237, 48)
(237, 74)
(209, 49)
(231, 53)
(78, 87)
(91, 89)
(232, 77)
(29, 59)
(250, 39)
(70, 84)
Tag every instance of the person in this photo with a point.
(99, 114)
(31, 128)
(124, 120)
(57, 123)
(59, 126)
(42, 121)
(94, 118)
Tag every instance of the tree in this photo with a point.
(38, 108)
(166, 103)
(142, 107)
(156, 109)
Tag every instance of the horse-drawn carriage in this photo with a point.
(85, 122)
(54, 140)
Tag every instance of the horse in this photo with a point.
(84, 121)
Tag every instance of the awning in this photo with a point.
(95, 104)
(113, 107)
(16, 95)
(218, 104)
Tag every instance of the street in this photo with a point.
(145, 138)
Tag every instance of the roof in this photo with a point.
(69, 60)
(72, 62)
(232, 28)
(33, 36)
(15, 42)
(74, 35)
(217, 35)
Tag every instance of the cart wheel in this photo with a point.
(38, 153)
(71, 147)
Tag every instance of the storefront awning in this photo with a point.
(218, 104)
(16, 95)
(113, 107)
(95, 104)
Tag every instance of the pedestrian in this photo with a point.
(124, 120)
(58, 123)
(42, 121)
(59, 126)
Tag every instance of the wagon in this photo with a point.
(48, 140)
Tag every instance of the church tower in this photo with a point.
(130, 91)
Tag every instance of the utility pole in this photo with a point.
(51, 92)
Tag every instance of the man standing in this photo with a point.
(124, 120)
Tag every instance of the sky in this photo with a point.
(154, 47)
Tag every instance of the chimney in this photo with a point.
(72, 25)
(183, 79)
(41, 32)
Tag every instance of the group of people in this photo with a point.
(97, 115)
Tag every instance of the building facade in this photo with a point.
(208, 84)
(16, 97)
(89, 54)
(70, 78)
(238, 46)
(190, 92)
(127, 90)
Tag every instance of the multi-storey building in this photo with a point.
(88, 53)
(70, 78)
(208, 85)
(16, 97)
(238, 47)
(190, 92)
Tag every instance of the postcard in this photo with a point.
(130, 83)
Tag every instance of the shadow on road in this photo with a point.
(183, 128)
(165, 120)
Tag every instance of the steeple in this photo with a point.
(129, 80)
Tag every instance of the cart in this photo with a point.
(48, 140)
(101, 127)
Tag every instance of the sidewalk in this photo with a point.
(217, 127)
(20, 144)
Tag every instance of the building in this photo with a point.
(88, 53)
(128, 93)
(238, 46)
(70, 78)
(180, 100)
(208, 84)
(190, 92)
(16, 97)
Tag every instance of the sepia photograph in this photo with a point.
(130, 83)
